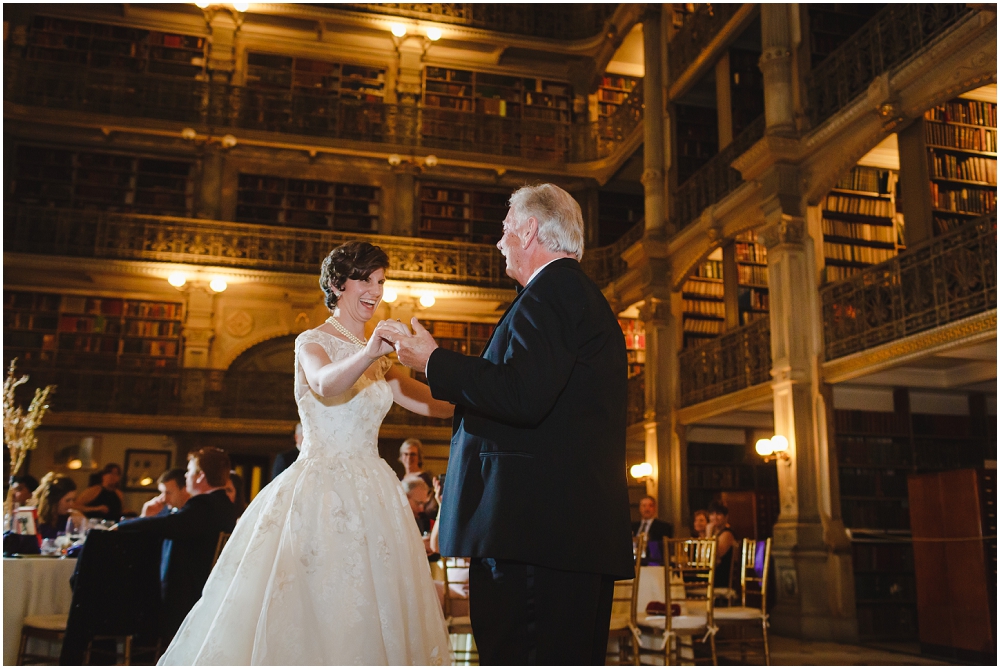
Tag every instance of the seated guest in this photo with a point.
(234, 491)
(173, 494)
(418, 493)
(191, 535)
(718, 527)
(654, 528)
(21, 489)
(284, 460)
(411, 455)
(55, 497)
(699, 524)
(103, 500)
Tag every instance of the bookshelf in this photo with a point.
(752, 297)
(746, 85)
(465, 337)
(105, 46)
(307, 203)
(635, 344)
(860, 222)
(618, 213)
(876, 454)
(961, 141)
(85, 332)
(104, 181)
(704, 308)
(497, 95)
(462, 214)
(716, 469)
(320, 79)
(612, 92)
(831, 24)
(697, 138)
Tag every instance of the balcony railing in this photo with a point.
(893, 35)
(551, 21)
(738, 359)
(91, 234)
(636, 407)
(222, 107)
(715, 179)
(935, 283)
(698, 30)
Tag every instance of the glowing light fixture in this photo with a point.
(433, 34)
(229, 141)
(145, 480)
(779, 443)
(431, 161)
(177, 279)
(427, 300)
(76, 463)
(398, 29)
(241, 6)
(218, 284)
(764, 447)
(775, 448)
(201, 4)
(641, 470)
(389, 295)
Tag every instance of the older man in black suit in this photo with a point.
(536, 490)
(190, 535)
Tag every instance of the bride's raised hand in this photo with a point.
(383, 338)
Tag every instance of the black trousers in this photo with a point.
(527, 614)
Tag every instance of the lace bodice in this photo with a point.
(346, 425)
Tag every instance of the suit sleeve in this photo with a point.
(522, 388)
(190, 521)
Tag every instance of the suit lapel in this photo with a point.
(500, 322)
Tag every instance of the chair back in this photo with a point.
(690, 563)
(626, 593)
(220, 544)
(116, 590)
(754, 568)
(456, 584)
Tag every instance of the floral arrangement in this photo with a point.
(19, 425)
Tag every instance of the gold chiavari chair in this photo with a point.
(754, 569)
(220, 544)
(689, 565)
(456, 607)
(624, 625)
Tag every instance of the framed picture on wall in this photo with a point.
(142, 468)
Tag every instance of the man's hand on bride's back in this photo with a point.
(384, 338)
(415, 349)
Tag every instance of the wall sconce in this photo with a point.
(389, 295)
(218, 284)
(427, 300)
(433, 34)
(177, 280)
(228, 141)
(395, 160)
(641, 472)
(397, 29)
(775, 448)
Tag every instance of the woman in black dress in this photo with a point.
(718, 527)
(103, 500)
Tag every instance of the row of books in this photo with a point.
(869, 179)
(701, 326)
(971, 168)
(758, 299)
(964, 111)
(734, 477)
(89, 343)
(862, 231)
(710, 269)
(883, 557)
(150, 347)
(153, 328)
(852, 253)
(444, 195)
(873, 482)
(971, 200)
(611, 81)
(91, 324)
(865, 206)
(870, 422)
(961, 137)
(705, 288)
(887, 451)
(635, 334)
(755, 275)
(945, 224)
(833, 273)
(24, 320)
(450, 211)
(705, 308)
(751, 252)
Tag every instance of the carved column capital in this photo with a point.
(787, 230)
(651, 178)
(655, 312)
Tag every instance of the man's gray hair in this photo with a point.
(413, 481)
(560, 221)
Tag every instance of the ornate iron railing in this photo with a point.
(893, 35)
(553, 21)
(636, 408)
(715, 179)
(215, 107)
(738, 359)
(91, 234)
(698, 30)
(932, 284)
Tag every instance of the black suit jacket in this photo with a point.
(658, 529)
(192, 534)
(537, 466)
(283, 461)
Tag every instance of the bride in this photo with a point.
(326, 566)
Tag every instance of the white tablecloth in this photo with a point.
(32, 586)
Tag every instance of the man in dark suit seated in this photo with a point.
(190, 535)
(654, 528)
(285, 459)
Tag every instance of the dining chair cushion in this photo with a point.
(738, 613)
(679, 624)
(52, 623)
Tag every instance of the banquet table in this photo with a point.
(32, 586)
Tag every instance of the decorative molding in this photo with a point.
(788, 230)
(972, 330)
(734, 401)
(239, 323)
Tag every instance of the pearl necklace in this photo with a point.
(344, 331)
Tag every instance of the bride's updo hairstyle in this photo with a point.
(352, 260)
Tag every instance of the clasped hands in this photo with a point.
(413, 348)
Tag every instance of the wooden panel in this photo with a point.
(929, 563)
(742, 513)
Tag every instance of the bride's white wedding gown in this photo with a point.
(326, 566)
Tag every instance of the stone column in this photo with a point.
(652, 122)
(776, 64)
(724, 101)
(209, 202)
(812, 555)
